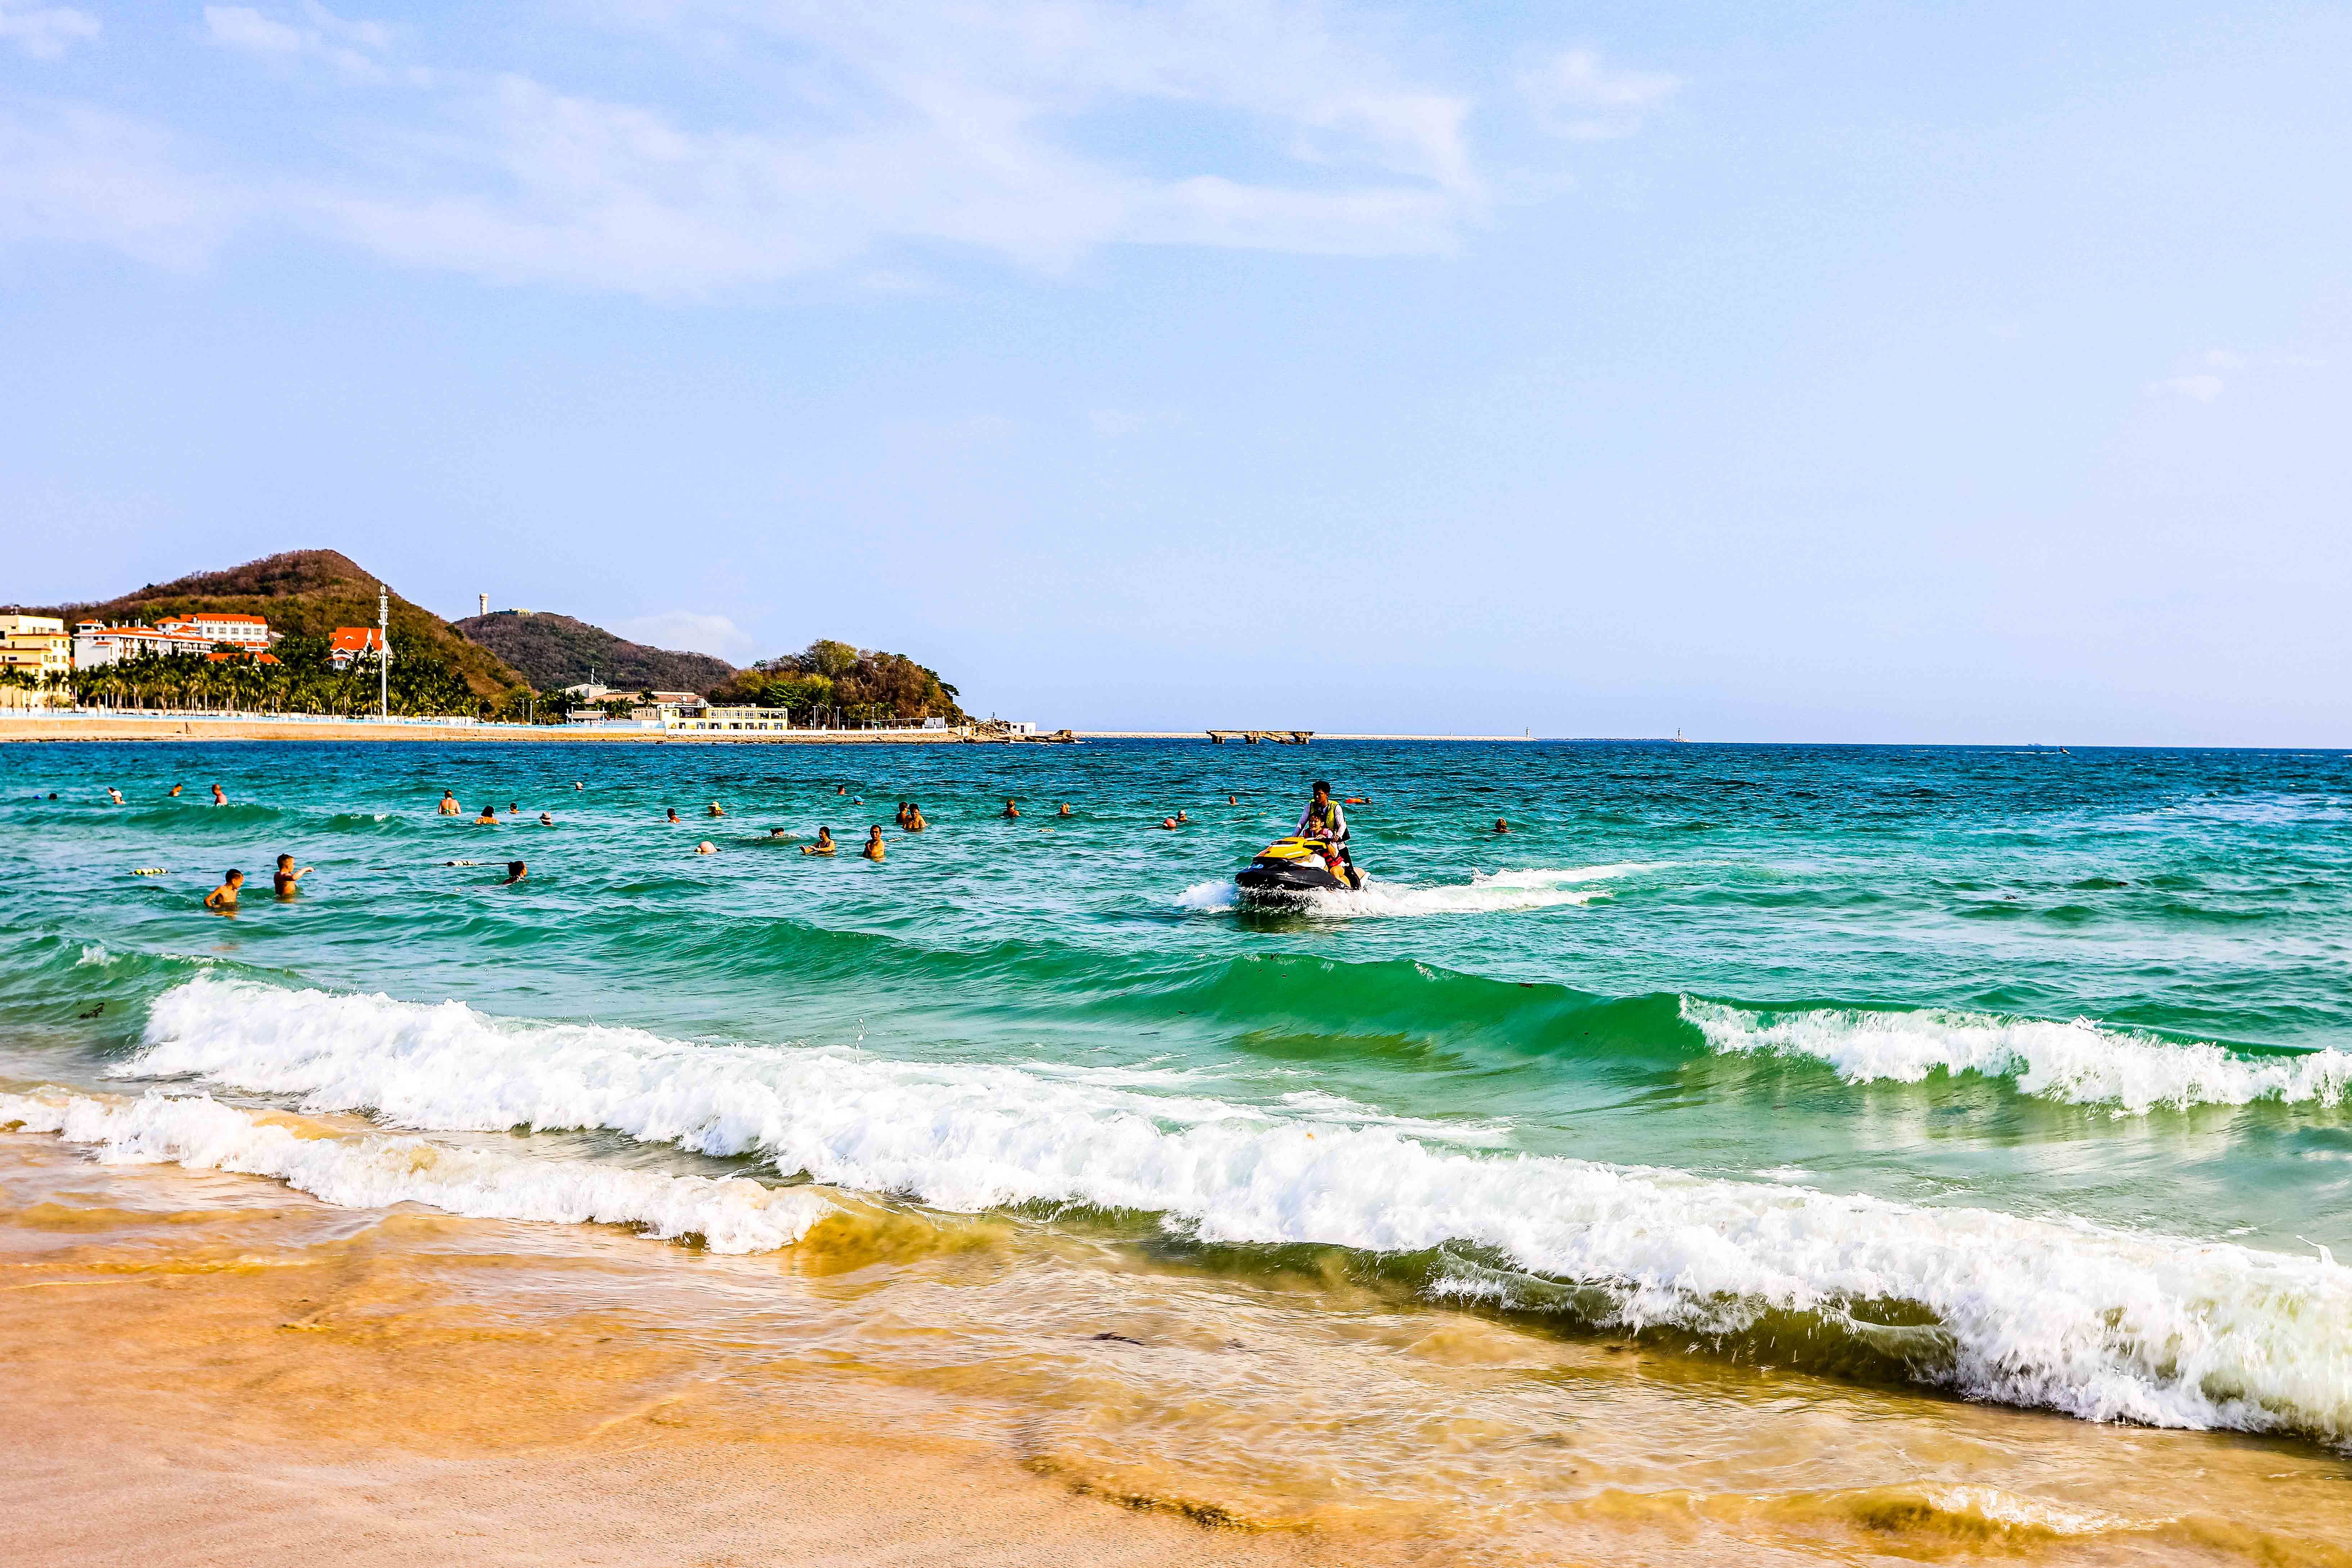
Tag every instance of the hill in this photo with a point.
(554, 651)
(304, 593)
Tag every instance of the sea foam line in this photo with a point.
(2081, 1061)
(2095, 1321)
(376, 1171)
(1486, 892)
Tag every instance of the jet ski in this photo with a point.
(1288, 868)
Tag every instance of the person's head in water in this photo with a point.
(175, 789)
(546, 820)
(673, 814)
(1501, 827)
(1065, 811)
(516, 872)
(716, 810)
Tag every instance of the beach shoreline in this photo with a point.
(187, 728)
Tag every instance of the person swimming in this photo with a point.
(673, 814)
(513, 806)
(706, 847)
(449, 806)
(1011, 809)
(1168, 823)
(175, 793)
(824, 845)
(286, 881)
(716, 810)
(577, 785)
(1232, 800)
(873, 850)
(546, 820)
(516, 872)
(220, 795)
(489, 817)
(114, 795)
(223, 898)
(915, 822)
(1182, 820)
(1065, 811)
(899, 816)
(841, 789)
(1501, 827)
(779, 833)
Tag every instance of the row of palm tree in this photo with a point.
(419, 684)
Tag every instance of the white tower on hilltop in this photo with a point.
(485, 598)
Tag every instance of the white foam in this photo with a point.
(2082, 1061)
(376, 1171)
(1486, 893)
(94, 954)
(2098, 1322)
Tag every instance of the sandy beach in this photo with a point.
(195, 727)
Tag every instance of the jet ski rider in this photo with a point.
(1325, 823)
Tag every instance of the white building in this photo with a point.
(36, 644)
(248, 633)
(94, 644)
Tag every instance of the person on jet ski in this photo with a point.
(1325, 823)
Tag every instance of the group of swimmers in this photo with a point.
(287, 880)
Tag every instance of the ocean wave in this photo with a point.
(2082, 1062)
(2095, 1321)
(732, 1215)
(1486, 893)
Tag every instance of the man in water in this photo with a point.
(1168, 823)
(489, 817)
(716, 810)
(449, 804)
(873, 850)
(1011, 809)
(287, 879)
(706, 847)
(516, 872)
(1325, 823)
(223, 898)
(546, 820)
(175, 792)
(673, 814)
(220, 795)
(114, 795)
(1501, 827)
(915, 822)
(824, 845)
(1065, 811)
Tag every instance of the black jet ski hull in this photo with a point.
(1286, 880)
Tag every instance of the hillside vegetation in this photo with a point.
(554, 651)
(833, 681)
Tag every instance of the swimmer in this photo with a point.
(673, 814)
(1168, 823)
(449, 806)
(915, 822)
(1065, 811)
(545, 820)
(1011, 809)
(223, 898)
(1232, 800)
(287, 879)
(841, 789)
(716, 810)
(899, 816)
(824, 845)
(1501, 827)
(706, 847)
(114, 795)
(1182, 820)
(873, 850)
(220, 795)
(1357, 799)
(516, 872)
(489, 817)
(175, 792)
(779, 833)
(577, 785)
(513, 806)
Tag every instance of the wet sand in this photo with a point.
(178, 727)
(207, 1368)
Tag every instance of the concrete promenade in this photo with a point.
(83, 726)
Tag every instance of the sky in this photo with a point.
(1811, 371)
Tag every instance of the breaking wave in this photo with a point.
(2098, 1322)
(2081, 1061)
(733, 1215)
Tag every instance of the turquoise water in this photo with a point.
(2017, 1072)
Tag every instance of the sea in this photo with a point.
(1833, 1149)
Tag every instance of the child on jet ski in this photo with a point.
(1324, 822)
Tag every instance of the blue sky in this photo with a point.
(1817, 372)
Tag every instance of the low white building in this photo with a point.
(94, 644)
(35, 644)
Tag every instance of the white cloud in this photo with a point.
(76, 174)
(327, 36)
(714, 635)
(2202, 388)
(44, 32)
(1574, 95)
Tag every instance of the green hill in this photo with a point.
(303, 593)
(554, 651)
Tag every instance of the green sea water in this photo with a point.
(2020, 1072)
